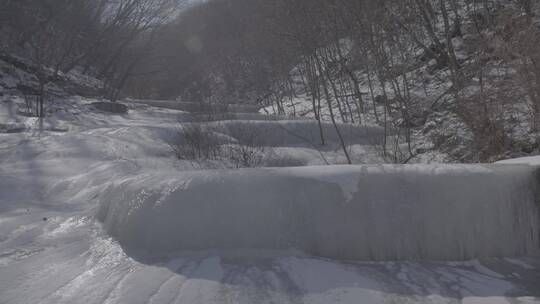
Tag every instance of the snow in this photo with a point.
(54, 186)
(531, 160)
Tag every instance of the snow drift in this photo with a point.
(378, 212)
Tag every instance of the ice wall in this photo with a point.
(384, 212)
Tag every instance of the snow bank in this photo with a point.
(384, 212)
(531, 160)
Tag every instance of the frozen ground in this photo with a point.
(54, 250)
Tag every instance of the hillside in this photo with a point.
(488, 120)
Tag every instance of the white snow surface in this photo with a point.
(531, 161)
(95, 209)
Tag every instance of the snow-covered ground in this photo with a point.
(86, 166)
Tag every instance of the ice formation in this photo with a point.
(434, 212)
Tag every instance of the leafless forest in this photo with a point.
(457, 76)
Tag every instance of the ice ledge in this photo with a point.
(384, 212)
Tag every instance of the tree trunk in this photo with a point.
(331, 111)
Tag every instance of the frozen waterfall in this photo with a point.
(369, 212)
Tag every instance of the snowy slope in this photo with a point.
(53, 249)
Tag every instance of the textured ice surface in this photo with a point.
(436, 212)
